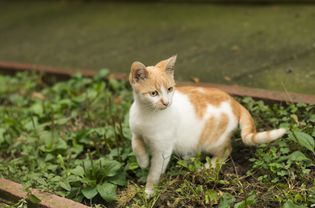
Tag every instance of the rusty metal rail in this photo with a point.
(289, 97)
(270, 95)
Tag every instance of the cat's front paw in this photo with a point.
(149, 192)
(143, 161)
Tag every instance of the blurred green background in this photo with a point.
(269, 46)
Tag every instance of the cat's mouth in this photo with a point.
(163, 107)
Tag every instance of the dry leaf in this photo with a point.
(195, 79)
(227, 78)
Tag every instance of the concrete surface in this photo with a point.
(262, 46)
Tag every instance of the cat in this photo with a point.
(165, 119)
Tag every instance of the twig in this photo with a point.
(286, 92)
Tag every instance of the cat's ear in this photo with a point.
(168, 65)
(138, 72)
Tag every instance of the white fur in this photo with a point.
(261, 137)
(165, 121)
(174, 129)
(177, 126)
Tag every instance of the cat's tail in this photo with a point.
(248, 130)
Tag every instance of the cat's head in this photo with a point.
(154, 85)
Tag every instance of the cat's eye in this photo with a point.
(170, 89)
(154, 93)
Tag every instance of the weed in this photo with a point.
(72, 138)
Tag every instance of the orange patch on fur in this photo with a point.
(247, 123)
(155, 80)
(236, 109)
(208, 130)
(202, 97)
(213, 129)
(224, 120)
(139, 146)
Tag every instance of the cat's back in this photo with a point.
(201, 98)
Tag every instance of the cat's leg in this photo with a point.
(166, 159)
(139, 150)
(159, 162)
(220, 154)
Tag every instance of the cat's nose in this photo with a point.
(165, 102)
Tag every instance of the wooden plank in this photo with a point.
(14, 191)
(11, 67)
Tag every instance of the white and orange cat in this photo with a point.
(165, 119)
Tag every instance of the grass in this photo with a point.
(72, 138)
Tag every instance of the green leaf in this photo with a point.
(290, 204)
(2, 131)
(226, 200)
(34, 199)
(73, 179)
(114, 84)
(247, 202)
(61, 161)
(65, 185)
(37, 108)
(49, 157)
(61, 121)
(89, 192)
(119, 179)
(297, 156)
(79, 171)
(305, 140)
(110, 167)
(132, 165)
(61, 145)
(46, 136)
(31, 123)
(311, 196)
(211, 196)
(102, 73)
(107, 191)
